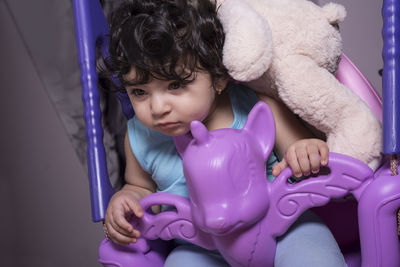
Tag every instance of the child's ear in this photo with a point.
(220, 85)
(260, 124)
(182, 142)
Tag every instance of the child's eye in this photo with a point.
(137, 92)
(176, 85)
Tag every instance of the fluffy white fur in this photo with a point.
(290, 49)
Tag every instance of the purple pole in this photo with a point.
(391, 76)
(391, 80)
(91, 29)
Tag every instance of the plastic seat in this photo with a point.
(377, 197)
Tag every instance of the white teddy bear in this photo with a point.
(290, 49)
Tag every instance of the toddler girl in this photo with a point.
(168, 55)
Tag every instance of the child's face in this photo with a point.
(170, 106)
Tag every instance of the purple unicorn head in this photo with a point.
(225, 170)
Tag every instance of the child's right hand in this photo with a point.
(123, 205)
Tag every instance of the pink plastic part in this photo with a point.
(349, 75)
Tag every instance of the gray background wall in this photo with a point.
(44, 195)
(361, 33)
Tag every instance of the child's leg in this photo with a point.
(308, 242)
(194, 256)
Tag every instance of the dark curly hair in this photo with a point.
(165, 39)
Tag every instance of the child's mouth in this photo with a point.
(168, 125)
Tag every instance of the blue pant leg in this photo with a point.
(308, 243)
(194, 256)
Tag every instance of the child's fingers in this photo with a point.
(135, 208)
(324, 153)
(291, 159)
(304, 161)
(118, 237)
(121, 225)
(114, 235)
(313, 155)
(279, 167)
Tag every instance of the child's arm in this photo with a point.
(125, 203)
(294, 144)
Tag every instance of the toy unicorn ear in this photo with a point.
(182, 142)
(261, 125)
(199, 132)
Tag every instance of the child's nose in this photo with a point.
(159, 105)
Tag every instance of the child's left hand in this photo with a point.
(303, 157)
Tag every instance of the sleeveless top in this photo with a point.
(156, 152)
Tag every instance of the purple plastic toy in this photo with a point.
(234, 209)
(242, 235)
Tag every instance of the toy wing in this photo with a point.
(170, 224)
(342, 176)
